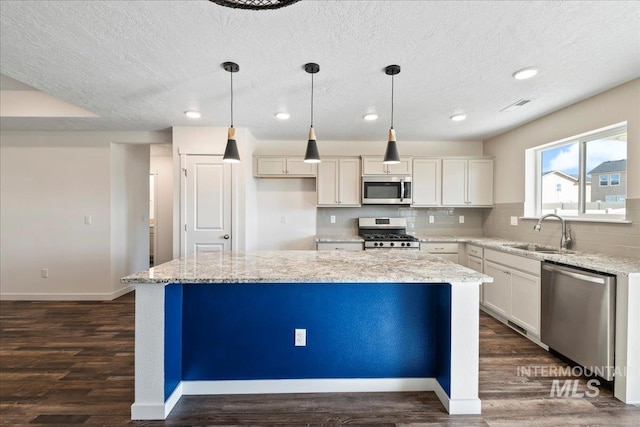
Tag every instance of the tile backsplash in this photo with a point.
(446, 220)
(598, 237)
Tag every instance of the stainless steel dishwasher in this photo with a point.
(578, 316)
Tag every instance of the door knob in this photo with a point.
(226, 237)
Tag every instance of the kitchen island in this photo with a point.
(233, 322)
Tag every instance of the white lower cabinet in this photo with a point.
(525, 301)
(340, 246)
(497, 294)
(448, 251)
(515, 291)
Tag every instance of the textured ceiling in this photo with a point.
(140, 64)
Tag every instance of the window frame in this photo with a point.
(611, 175)
(605, 182)
(535, 154)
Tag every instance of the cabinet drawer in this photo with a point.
(340, 246)
(476, 251)
(531, 266)
(440, 248)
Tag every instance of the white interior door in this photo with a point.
(206, 205)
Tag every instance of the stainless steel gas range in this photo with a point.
(386, 233)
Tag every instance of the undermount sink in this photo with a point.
(540, 249)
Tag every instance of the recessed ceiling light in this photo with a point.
(458, 117)
(525, 73)
(283, 116)
(192, 114)
(370, 117)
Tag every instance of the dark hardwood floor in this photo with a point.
(71, 363)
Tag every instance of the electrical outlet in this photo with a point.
(514, 220)
(283, 219)
(432, 219)
(300, 338)
(87, 220)
(461, 219)
(44, 273)
(333, 219)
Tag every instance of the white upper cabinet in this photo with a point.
(282, 166)
(374, 166)
(467, 182)
(338, 182)
(426, 182)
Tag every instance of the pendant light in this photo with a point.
(312, 155)
(391, 155)
(231, 154)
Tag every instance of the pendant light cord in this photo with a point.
(312, 99)
(392, 76)
(231, 99)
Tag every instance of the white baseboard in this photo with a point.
(66, 296)
(340, 385)
(457, 406)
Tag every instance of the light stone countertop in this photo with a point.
(328, 238)
(592, 261)
(309, 267)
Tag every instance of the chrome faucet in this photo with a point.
(565, 239)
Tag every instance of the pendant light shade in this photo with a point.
(391, 155)
(312, 155)
(231, 154)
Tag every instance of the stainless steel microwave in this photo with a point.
(386, 190)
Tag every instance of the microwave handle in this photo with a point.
(401, 190)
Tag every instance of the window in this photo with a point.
(583, 176)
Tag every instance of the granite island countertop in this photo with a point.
(308, 267)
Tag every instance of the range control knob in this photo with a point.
(375, 244)
(381, 244)
(402, 244)
(393, 244)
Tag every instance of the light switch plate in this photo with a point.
(514, 220)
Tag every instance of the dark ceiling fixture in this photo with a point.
(312, 155)
(231, 154)
(391, 155)
(255, 4)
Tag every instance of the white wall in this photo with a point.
(129, 216)
(161, 164)
(49, 182)
(613, 106)
(287, 217)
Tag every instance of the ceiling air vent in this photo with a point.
(513, 107)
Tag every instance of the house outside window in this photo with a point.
(565, 170)
(614, 179)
